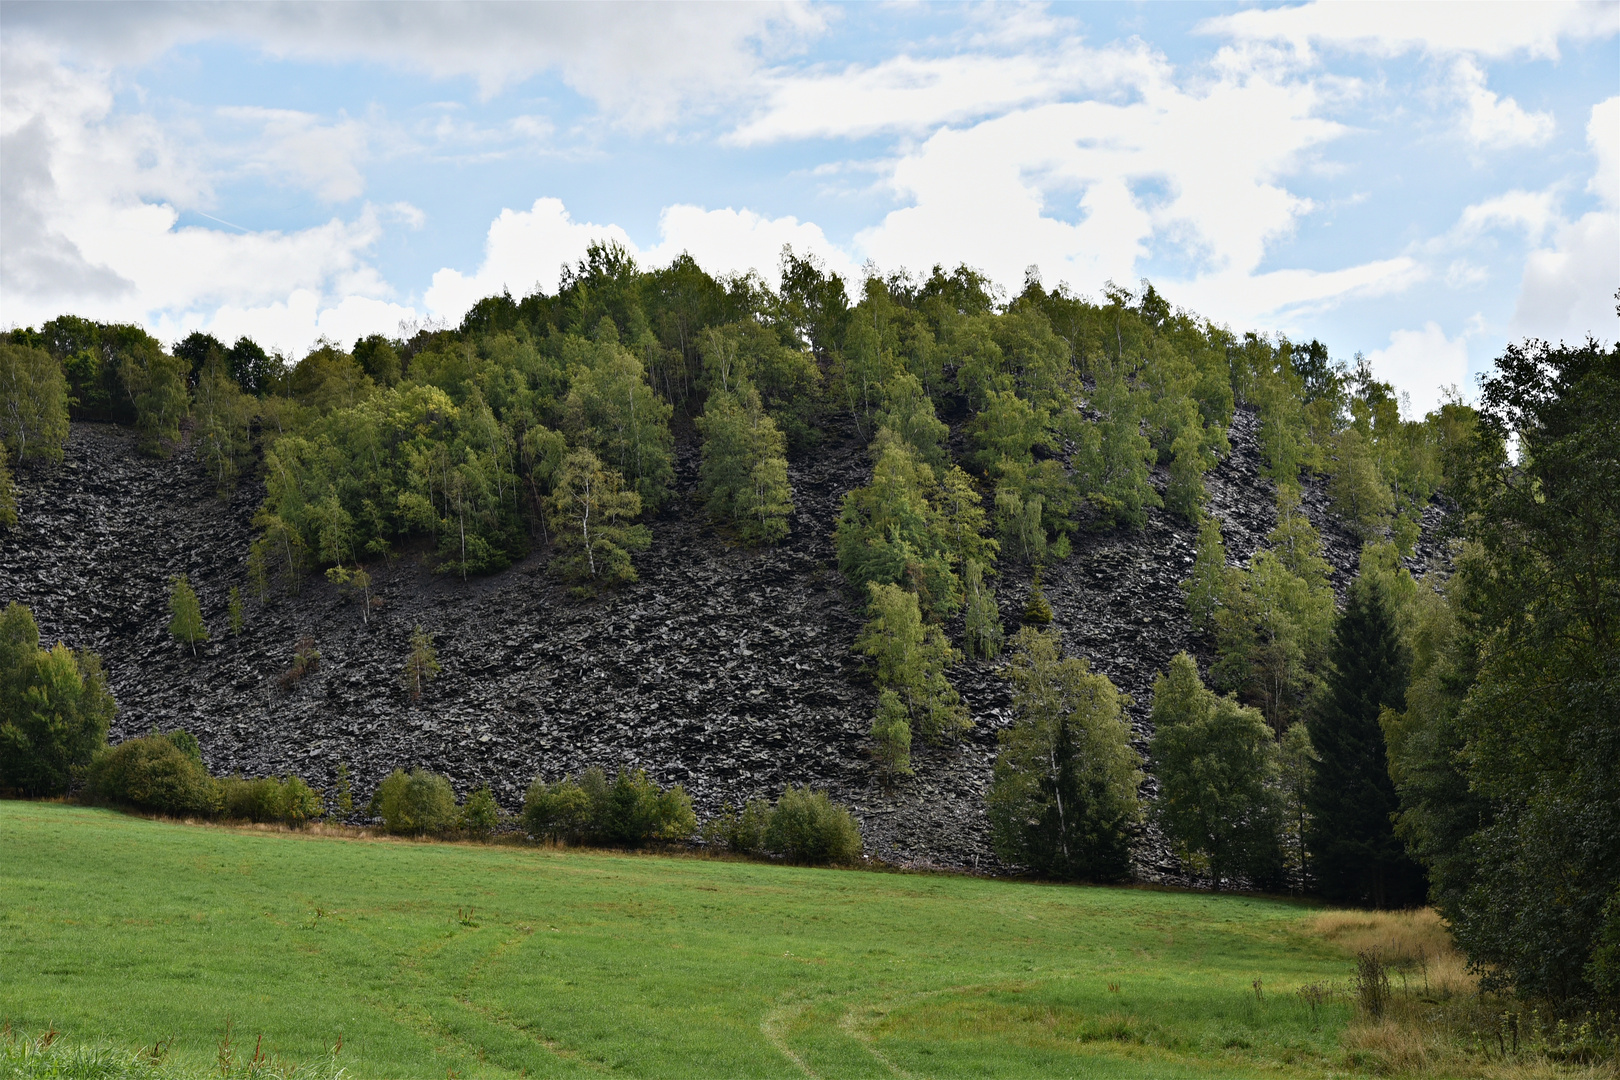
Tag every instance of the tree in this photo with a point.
(891, 736)
(223, 413)
(55, 708)
(592, 518)
(1064, 794)
(185, 613)
(33, 403)
(156, 383)
(612, 408)
(421, 664)
(910, 658)
(1296, 765)
(982, 635)
(1208, 583)
(8, 494)
(1508, 753)
(744, 471)
(1217, 767)
(1355, 855)
(1359, 493)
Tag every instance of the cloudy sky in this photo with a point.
(1419, 183)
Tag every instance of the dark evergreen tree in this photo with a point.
(1356, 857)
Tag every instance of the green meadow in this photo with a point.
(469, 960)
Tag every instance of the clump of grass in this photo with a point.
(48, 1056)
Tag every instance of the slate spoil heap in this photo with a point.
(727, 670)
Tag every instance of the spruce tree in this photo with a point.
(185, 613)
(1355, 855)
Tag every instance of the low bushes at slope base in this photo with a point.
(165, 773)
(629, 811)
(804, 826)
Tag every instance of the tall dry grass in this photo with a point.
(1435, 1021)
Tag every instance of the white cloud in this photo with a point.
(642, 63)
(911, 94)
(737, 241)
(91, 203)
(1435, 27)
(1568, 288)
(324, 158)
(1492, 121)
(1422, 364)
(1532, 211)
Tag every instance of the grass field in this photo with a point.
(464, 960)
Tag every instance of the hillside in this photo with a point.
(727, 670)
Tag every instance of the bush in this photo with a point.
(251, 800)
(744, 832)
(155, 772)
(55, 708)
(808, 827)
(414, 803)
(629, 811)
(480, 814)
(300, 803)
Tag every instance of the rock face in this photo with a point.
(728, 670)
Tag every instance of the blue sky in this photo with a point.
(1419, 183)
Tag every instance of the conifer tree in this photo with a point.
(1217, 767)
(1064, 793)
(234, 611)
(185, 613)
(592, 517)
(1356, 857)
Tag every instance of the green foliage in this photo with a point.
(185, 613)
(1507, 755)
(421, 664)
(1216, 761)
(1063, 797)
(414, 803)
(786, 378)
(910, 658)
(8, 493)
(911, 527)
(1114, 462)
(1360, 495)
(234, 611)
(33, 403)
(1296, 766)
(1274, 620)
(55, 708)
(742, 832)
(808, 827)
(480, 814)
(982, 635)
(1037, 611)
(1207, 586)
(157, 383)
(592, 515)
(154, 772)
(343, 790)
(628, 811)
(908, 412)
(891, 736)
(222, 414)
(611, 408)
(744, 472)
(1355, 855)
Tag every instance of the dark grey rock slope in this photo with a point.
(728, 670)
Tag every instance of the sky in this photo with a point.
(1418, 183)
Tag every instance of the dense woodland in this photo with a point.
(1452, 738)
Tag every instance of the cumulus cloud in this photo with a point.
(1492, 121)
(1568, 287)
(297, 146)
(1422, 364)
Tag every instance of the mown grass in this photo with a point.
(466, 960)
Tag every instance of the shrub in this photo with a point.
(414, 803)
(743, 832)
(306, 658)
(155, 772)
(300, 803)
(481, 814)
(808, 827)
(630, 810)
(252, 800)
(557, 811)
